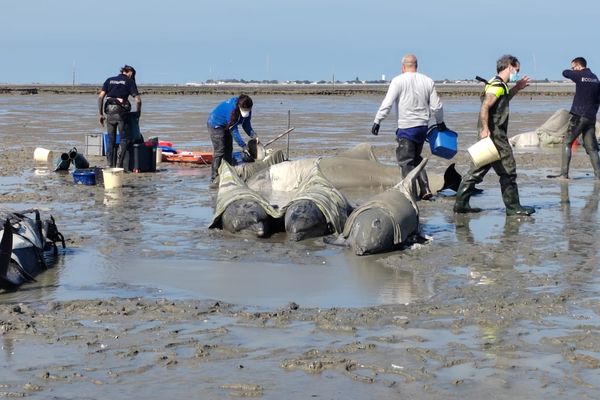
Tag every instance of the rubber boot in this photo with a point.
(423, 180)
(595, 160)
(464, 193)
(564, 163)
(78, 159)
(62, 163)
(510, 195)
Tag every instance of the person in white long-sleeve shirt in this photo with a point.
(416, 100)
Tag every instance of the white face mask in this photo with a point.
(244, 113)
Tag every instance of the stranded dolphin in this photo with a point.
(304, 219)
(241, 210)
(356, 168)
(385, 221)
(246, 216)
(298, 198)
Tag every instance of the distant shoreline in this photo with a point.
(444, 89)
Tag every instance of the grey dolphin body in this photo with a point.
(246, 216)
(355, 168)
(386, 221)
(304, 219)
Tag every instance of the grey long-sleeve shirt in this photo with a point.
(415, 98)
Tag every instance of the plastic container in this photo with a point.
(144, 157)
(105, 142)
(443, 143)
(93, 145)
(42, 155)
(483, 152)
(84, 176)
(113, 177)
(158, 155)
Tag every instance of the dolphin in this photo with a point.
(356, 168)
(246, 216)
(384, 222)
(304, 219)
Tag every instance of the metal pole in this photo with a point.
(288, 136)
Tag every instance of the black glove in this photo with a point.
(246, 157)
(375, 129)
(442, 127)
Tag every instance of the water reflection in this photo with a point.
(488, 259)
(581, 229)
(389, 285)
(113, 197)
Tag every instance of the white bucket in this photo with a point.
(483, 152)
(158, 155)
(113, 177)
(42, 155)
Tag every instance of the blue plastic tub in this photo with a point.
(84, 176)
(443, 143)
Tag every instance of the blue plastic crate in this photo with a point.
(443, 143)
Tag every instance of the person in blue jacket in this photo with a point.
(223, 123)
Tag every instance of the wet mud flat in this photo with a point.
(146, 300)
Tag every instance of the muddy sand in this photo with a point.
(146, 302)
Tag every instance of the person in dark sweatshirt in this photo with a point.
(583, 116)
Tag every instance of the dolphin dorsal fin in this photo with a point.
(408, 182)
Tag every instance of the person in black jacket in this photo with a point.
(115, 110)
(583, 116)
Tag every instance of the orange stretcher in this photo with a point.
(194, 157)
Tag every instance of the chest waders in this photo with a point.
(505, 167)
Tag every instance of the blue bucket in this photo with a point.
(105, 141)
(84, 176)
(442, 143)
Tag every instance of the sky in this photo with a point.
(180, 41)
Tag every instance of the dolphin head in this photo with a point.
(372, 232)
(247, 216)
(303, 219)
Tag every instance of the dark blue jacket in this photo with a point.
(220, 117)
(120, 86)
(587, 90)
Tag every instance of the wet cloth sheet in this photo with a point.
(554, 129)
(278, 186)
(247, 170)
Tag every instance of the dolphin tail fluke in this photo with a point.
(6, 245)
(451, 178)
(338, 240)
(409, 180)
